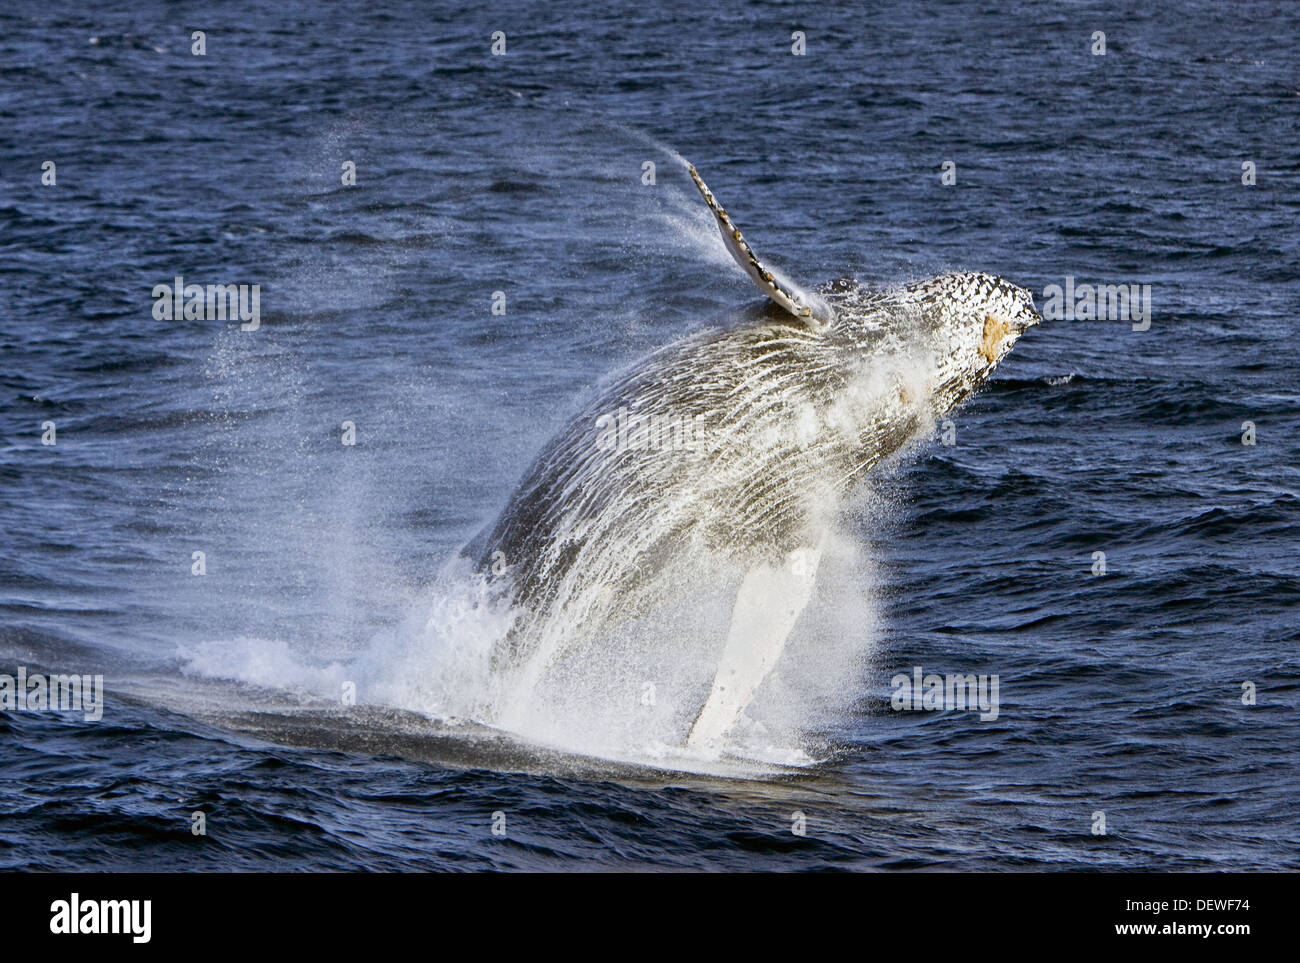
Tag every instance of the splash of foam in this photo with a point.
(628, 696)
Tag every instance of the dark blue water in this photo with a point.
(1121, 693)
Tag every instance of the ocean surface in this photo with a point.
(331, 568)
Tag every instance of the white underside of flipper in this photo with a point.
(767, 607)
(811, 310)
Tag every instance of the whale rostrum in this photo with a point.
(740, 442)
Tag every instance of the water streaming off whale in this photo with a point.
(626, 691)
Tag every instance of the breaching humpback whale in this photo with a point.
(741, 441)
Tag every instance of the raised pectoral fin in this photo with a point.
(767, 607)
(807, 308)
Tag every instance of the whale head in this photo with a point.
(972, 321)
